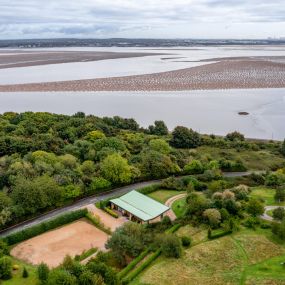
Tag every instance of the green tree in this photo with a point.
(279, 195)
(159, 129)
(185, 138)
(116, 169)
(95, 135)
(25, 273)
(43, 272)
(279, 229)
(213, 217)
(160, 145)
(31, 196)
(157, 165)
(194, 167)
(255, 207)
(98, 184)
(5, 268)
(278, 213)
(170, 245)
(127, 241)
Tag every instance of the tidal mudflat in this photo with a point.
(207, 111)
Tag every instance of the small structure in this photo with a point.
(138, 207)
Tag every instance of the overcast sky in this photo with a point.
(142, 18)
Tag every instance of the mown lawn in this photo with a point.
(267, 194)
(178, 207)
(244, 258)
(163, 195)
(17, 275)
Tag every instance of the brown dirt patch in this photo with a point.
(106, 219)
(53, 246)
(221, 75)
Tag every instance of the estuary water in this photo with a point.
(206, 111)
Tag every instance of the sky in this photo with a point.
(203, 19)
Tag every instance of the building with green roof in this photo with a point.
(139, 207)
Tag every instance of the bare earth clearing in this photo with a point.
(226, 74)
(106, 219)
(53, 246)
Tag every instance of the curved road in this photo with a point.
(266, 217)
(91, 200)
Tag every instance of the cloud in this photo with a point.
(145, 18)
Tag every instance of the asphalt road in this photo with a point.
(91, 200)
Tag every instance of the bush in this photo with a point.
(95, 220)
(111, 212)
(4, 250)
(5, 268)
(15, 267)
(25, 273)
(278, 213)
(185, 138)
(194, 167)
(279, 229)
(149, 189)
(170, 245)
(85, 254)
(142, 267)
(133, 264)
(43, 272)
(235, 136)
(45, 226)
(218, 234)
(186, 241)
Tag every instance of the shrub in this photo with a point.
(194, 167)
(279, 195)
(45, 226)
(4, 250)
(99, 184)
(235, 136)
(251, 222)
(186, 241)
(95, 220)
(85, 254)
(170, 245)
(149, 189)
(133, 264)
(15, 267)
(218, 234)
(25, 273)
(43, 272)
(213, 217)
(5, 268)
(185, 138)
(142, 267)
(111, 212)
(278, 213)
(255, 207)
(279, 229)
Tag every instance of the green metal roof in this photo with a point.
(140, 205)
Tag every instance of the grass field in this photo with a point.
(267, 194)
(178, 207)
(17, 275)
(162, 195)
(244, 258)
(254, 160)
